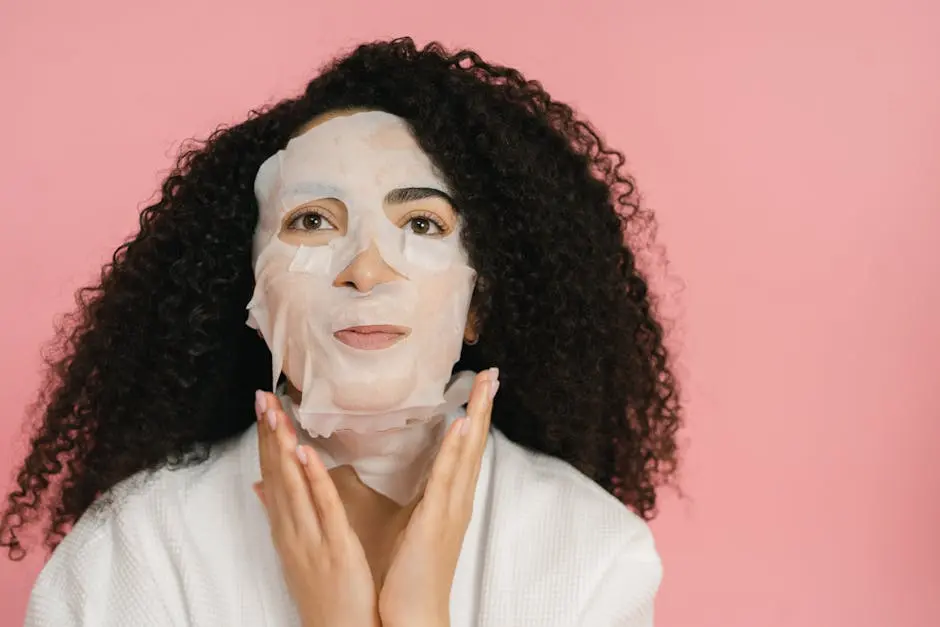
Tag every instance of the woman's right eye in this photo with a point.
(310, 221)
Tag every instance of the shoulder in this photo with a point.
(160, 502)
(565, 500)
(572, 537)
(113, 566)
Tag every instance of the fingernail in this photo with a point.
(493, 373)
(301, 455)
(259, 403)
(272, 419)
(494, 386)
(464, 426)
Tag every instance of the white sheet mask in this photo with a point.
(358, 159)
(393, 463)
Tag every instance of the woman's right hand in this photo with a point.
(324, 564)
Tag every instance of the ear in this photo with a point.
(258, 489)
(471, 332)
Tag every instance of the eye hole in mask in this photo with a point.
(314, 223)
(310, 220)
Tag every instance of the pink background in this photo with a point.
(792, 151)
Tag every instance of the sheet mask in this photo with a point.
(394, 463)
(358, 159)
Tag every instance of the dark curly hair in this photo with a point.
(157, 364)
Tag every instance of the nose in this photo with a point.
(365, 271)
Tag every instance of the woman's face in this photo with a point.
(363, 284)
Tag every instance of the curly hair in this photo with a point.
(157, 363)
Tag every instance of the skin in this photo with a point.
(351, 556)
(316, 525)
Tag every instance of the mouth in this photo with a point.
(372, 337)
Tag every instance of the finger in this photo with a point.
(268, 453)
(458, 447)
(276, 501)
(271, 419)
(445, 465)
(287, 498)
(479, 412)
(293, 491)
(326, 500)
(263, 403)
(462, 488)
(264, 432)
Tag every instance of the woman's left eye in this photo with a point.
(423, 225)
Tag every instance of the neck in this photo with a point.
(293, 393)
(393, 462)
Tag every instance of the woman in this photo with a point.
(190, 507)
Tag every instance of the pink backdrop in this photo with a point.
(793, 154)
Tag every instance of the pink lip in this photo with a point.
(372, 337)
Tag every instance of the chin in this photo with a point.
(371, 397)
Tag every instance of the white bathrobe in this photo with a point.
(546, 547)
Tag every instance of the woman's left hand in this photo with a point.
(416, 592)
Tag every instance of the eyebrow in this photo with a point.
(402, 195)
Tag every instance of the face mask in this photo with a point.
(301, 306)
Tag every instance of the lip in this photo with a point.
(372, 337)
